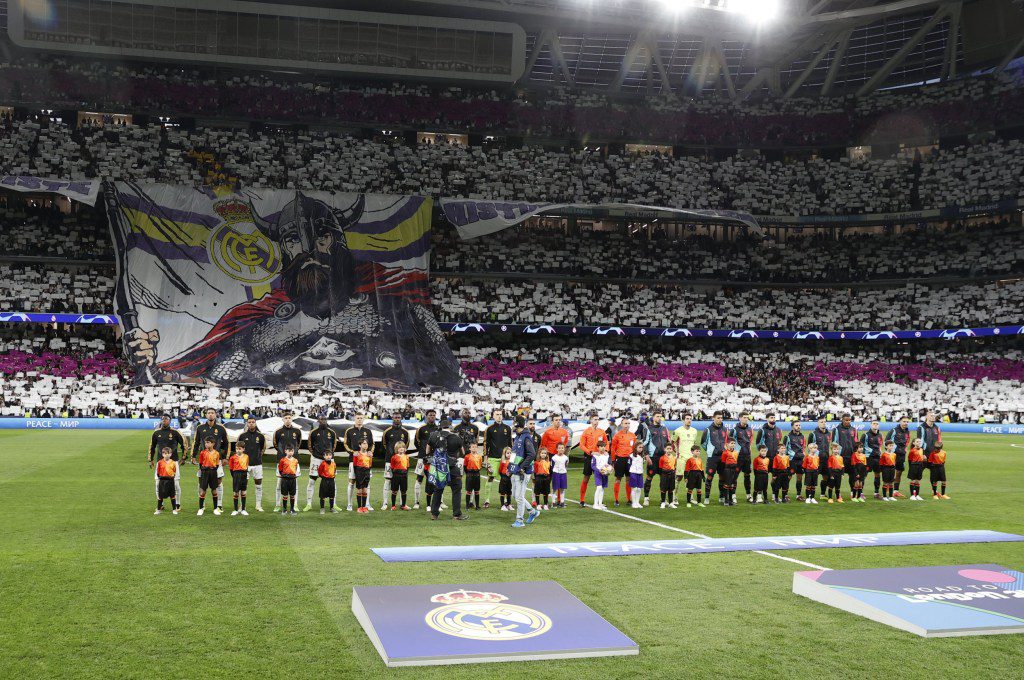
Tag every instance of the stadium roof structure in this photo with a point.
(707, 48)
(712, 48)
(698, 48)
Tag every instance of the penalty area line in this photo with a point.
(695, 534)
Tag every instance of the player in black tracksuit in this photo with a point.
(497, 437)
(901, 436)
(795, 444)
(823, 438)
(659, 440)
(467, 429)
(714, 440)
(743, 434)
(422, 440)
(163, 436)
(218, 433)
(845, 435)
(286, 436)
(873, 442)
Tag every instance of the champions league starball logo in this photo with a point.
(478, 615)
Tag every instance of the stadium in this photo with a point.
(664, 338)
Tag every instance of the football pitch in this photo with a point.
(92, 584)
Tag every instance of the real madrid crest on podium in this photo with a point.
(484, 622)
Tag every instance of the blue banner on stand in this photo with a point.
(966, 599)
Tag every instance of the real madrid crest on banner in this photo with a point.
(238, 247)
(485, 616)
(483, 622)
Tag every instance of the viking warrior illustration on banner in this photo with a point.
(279, 289)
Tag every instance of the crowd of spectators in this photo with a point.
(966, 250)
(336, 161)
(877, 380)
(942, 108)
(908, 307)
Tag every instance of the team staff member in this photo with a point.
(873, 443)
(285, 436)
(322, 439)
(659, 443)
(163, 436)
(497, 437)
(743, 435)
(795, 444)
(623, 445)
(822, 438)
(520, 469)
(446, 448)
(845, 435)
(253, 443)
(353, 438)
(714, 441)
(394, 434)
(422, 440)
(901, 436)
(214, 430)
(588, 442)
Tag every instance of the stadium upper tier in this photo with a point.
(916, 114)
(965, 175)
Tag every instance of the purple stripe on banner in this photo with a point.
(415, 249)
(412, 204)
(150, 208)
(452, 553)
(168, 251)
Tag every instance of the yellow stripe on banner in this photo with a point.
(189, 233)
(404, 233)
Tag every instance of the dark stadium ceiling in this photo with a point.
(701, 48)
(691, 47)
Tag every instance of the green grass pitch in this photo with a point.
(93, 585)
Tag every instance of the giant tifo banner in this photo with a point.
(277, 288)
(475, 218)
(83, 191)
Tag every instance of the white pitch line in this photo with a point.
(693, 533)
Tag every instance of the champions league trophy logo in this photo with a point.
(478, 615)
